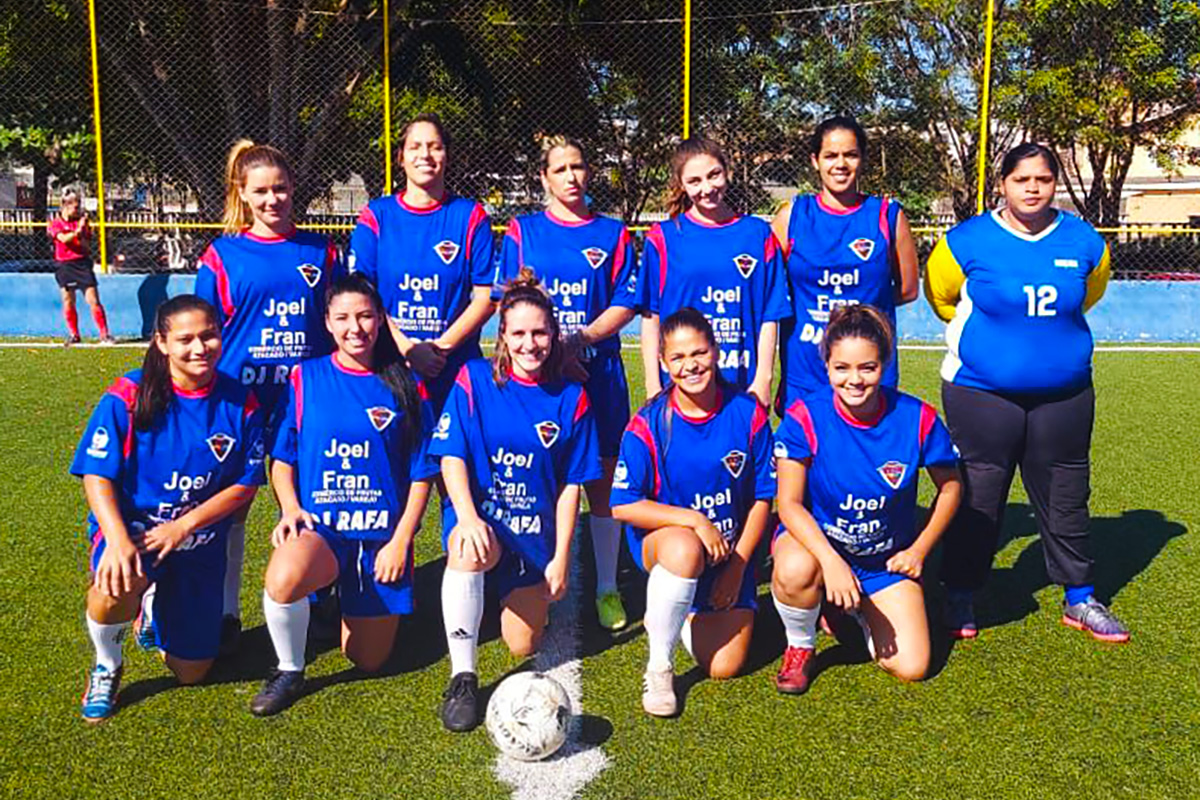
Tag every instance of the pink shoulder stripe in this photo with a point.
(478, 216)
(583, 405)
(251, 406)
(422, 392)
(367, 217)
(298, 390)
(883, 220)
(126, 390)
(641, 429)
(212, 260)
(799, 412)
(463, 379)
(928, 417)
(655, 238)
(759, 420)
(618, 261)
(770, 248)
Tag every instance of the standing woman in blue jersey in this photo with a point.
(267, 281)
(350, 471)
(849, 460)
(171, 452)
(694, 487)
(1017, 383)
(588, 264)
(430, 255)
(841, 247)
(725, 264)
(516, 441)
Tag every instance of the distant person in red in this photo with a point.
(70, 232)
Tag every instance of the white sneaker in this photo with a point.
(658, 693)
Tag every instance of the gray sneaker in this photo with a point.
(1094, 617)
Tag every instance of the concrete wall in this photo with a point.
(1131, 311)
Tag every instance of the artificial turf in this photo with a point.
(1030, 709)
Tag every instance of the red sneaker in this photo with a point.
(793, 676)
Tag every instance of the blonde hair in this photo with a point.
(552, 141)
(244, 156)
(677, 199)
(526, 288)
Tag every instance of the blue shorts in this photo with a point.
(871, 580)
(188, 597)
(608, 392)
(359, 593)
(523, 559)
(747, 596)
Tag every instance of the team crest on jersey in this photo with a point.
(621, 475)
(547, 432)
(745, 264)
(595, 256)
(893, 473)
(446, 250)
(735, 462)
(442, 431)
(311, 274)
(380, 417)
(777, 452)
(221, 445)
(99, 446)
(863, 248)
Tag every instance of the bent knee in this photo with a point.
(909, 670)
(282, 582)
(367, 662)
(190, 674)
(523, 646)
(682, 553)
(722, 668)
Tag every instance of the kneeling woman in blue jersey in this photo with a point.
(350, 470)
(171, 451)
(694, 486)
(516, 441)
(849, 460)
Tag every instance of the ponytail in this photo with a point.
(690, 318)
(526, 288)
(859, 321)
(677, 199)
(244, 156)
(155, 392)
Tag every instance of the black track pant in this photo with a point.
(1049, 437)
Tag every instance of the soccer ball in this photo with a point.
(528, 716)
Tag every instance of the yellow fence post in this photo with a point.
(985, 107)
(387, 97)
(99, 141)
(687, 68)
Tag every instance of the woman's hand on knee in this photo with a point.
(290, 525)
(471, 541)
(841, 585)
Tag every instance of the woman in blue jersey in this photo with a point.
(430, 255)
(267, 281)
(588, 264)
(516, 441)
(170, 453)
(1017, 383)
(849, 460)
(841, 247)
(694, 487)
(725, 264)
(352, 478)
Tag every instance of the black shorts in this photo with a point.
(75, 274)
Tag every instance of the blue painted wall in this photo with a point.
(1131, 311)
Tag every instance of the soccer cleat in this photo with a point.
(794, 674)
(107, 341)
(460, 703)
(143, 631)
(658, 693)
(100, 697)
(959, 616)
(1095, 618)
(611, 612)
(231, 635)
(70, 340)
(278, 692)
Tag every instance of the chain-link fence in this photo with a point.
(1113, 86)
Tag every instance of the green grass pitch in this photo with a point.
(1030, 710)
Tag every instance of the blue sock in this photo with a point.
(1079, 594)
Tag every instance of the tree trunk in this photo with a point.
(42, 247)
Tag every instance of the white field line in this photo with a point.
(576, 764)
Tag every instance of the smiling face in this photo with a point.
(528, 336)
(353, 322)
(838, 161)
(704, 180)
(690, 360)
(192, 346)
(566, 175)
(267, 191)
(423, 156)
(855, 372)
(1029, 188)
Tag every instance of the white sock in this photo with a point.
(148, 602)
(685, 635)
(606, 545)
(462, 612)
(107, 640)
(668, 602)
(799, 624)
(288, 625)
(235, 556)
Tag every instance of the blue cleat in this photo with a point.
(100, 697)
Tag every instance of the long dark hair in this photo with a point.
(685, 151)
(526, 288)
(386, 362)
(155, 392)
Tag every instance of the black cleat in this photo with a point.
(280, 691)
(231, 634)
(460, 703)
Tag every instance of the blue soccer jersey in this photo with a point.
(522, 443)
(862, 478)
(344, 433)
(270, 298)
(206, 441)
(834, 258)
(426, 263)
(732, 273)
(1015, 303)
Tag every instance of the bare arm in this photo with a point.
(911, 561)
(760, 387)
(841, 587)
(610, 322)
(470, 320)
(566, 513)
(166, 537)
(473, 533)
(779, 225)
(904, 263)
(392, 559)
(650, 355)
(651, 515)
